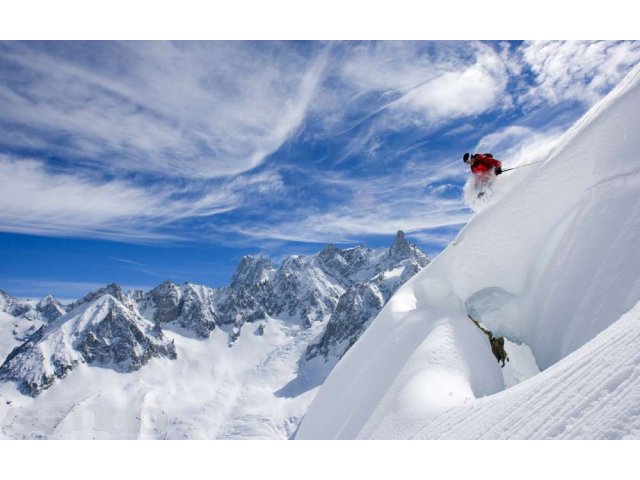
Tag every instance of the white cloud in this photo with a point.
(464, 92)
(424, 83)
(198, 110)
(519, 145)
(406, 200)
(346, 225)
(576, 70)
(36, 200)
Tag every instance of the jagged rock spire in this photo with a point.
(400, 248)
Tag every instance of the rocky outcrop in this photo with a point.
(355, 309)
(191, 307)
(497, 343)
(49, 309)
(401, 248)
(251, 271)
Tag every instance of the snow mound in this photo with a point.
(550, 264)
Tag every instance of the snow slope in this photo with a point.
(9, 325)
(551, 264)
(209, 391)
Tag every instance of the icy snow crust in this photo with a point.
(552, 264)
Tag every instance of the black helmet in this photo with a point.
(465, 157)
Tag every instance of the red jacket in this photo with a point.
(482, 165)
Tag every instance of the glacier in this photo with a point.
(551, 263)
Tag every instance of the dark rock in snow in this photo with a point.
(497, 343)
(50, 309)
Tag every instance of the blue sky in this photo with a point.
(138, 162)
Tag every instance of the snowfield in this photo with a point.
(552, 263)
(211, 391)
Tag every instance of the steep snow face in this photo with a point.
(552, 263)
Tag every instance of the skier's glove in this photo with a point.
(498, 171)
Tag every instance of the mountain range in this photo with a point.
(308, 311)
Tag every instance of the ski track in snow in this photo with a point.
(592, 393)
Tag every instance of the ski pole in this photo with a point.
(519, 166)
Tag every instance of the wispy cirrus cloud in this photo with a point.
(519, 145)
(35, 199)
(186, 109)
(418, 197)
(304, 141)
(576, 70)
(413, 83)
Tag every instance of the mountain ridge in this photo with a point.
(294, 302)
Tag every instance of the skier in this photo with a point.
(483, 164)
(484, 168)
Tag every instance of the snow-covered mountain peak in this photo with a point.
(112, 289)
(45, 310)
(12, 305)
(4, 297)
(251, 271)
(47, 299)
(50, 309)
(103, 331)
